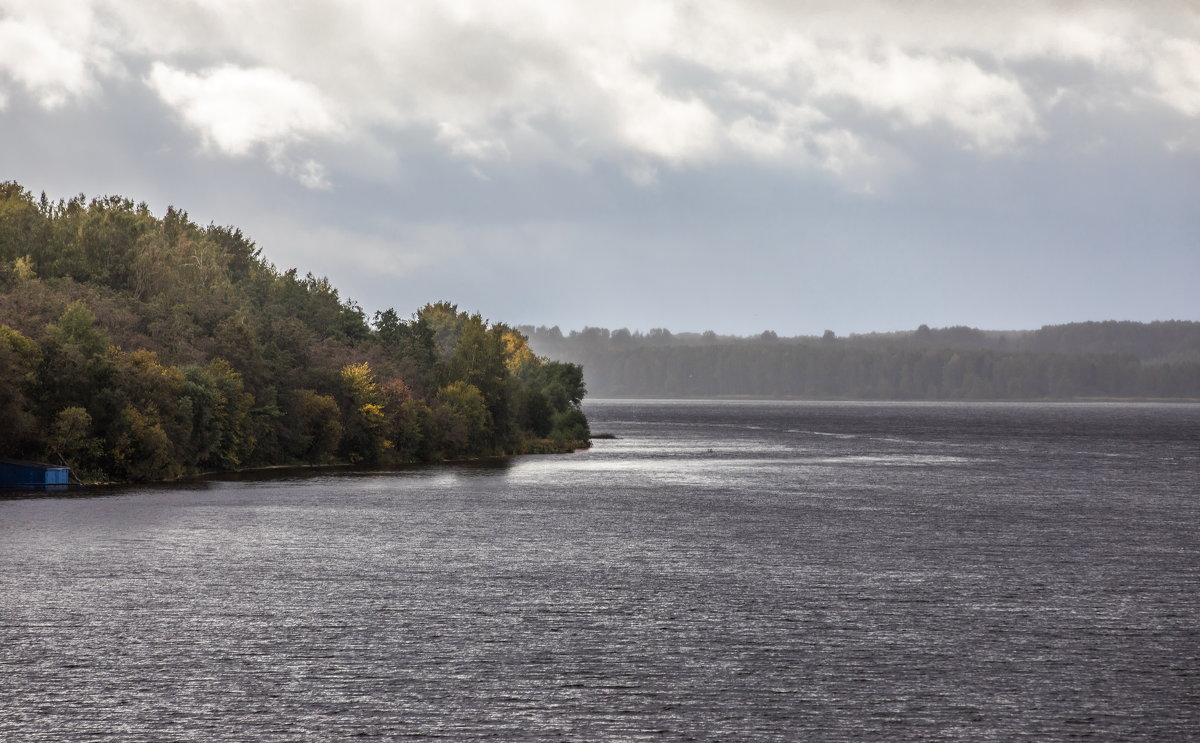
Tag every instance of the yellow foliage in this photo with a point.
(23, 268)
(372, 414)
(360, 381)
(517, 355)
(25, 349)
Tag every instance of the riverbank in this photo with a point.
(529, 447)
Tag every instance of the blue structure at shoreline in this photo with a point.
(15, 473)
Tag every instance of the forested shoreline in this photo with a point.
(1094, 360)
(134, 347)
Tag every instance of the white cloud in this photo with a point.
(237, 109)
(311, 174)
(845, 154)
(653, 123)
(1177, 75)
(990, 110)
(763, 139)
(43, 65)
(646, 81)
(464, 145)
(777, 131)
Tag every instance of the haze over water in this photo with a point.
(721, 571)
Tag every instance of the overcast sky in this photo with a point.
(734, 166)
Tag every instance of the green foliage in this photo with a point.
(317, 426)
(563, 384)
(463, 421)
(23, 225)
(141, 348)
(404, 419)
(215, 413)
(534, 412)
(76, 328)
(23, 352)
(570, 426)
(140, 449)
(19, 361)
(71, 439)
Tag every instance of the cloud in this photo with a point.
(42, 64)
(651, 122)
(642, 174)
(815, 86)
(311, 174)
(1177, 75)
(471, 147)
(801, 136)
(236, 109)
(990, 110)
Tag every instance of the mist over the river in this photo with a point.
(1094, 360)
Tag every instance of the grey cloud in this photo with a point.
(485, 80)
(725, 165)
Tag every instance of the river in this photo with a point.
(720, 571)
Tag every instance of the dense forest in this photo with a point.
(1159, 360)
(136, 348)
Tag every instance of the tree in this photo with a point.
(404, 420)
(464, 418)
(19, 361)
(76, 327)
(364, 423)
(570, 426)
(216, 410)
(143, 348)
(316, 426)
(72, 441)
(140, 449)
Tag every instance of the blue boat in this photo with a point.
(15, 473)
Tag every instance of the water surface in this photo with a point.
(721, 571)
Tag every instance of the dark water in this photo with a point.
(722, 571)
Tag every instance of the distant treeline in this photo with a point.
(1074, 361)
(136, 347)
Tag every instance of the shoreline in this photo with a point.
(82, 487)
